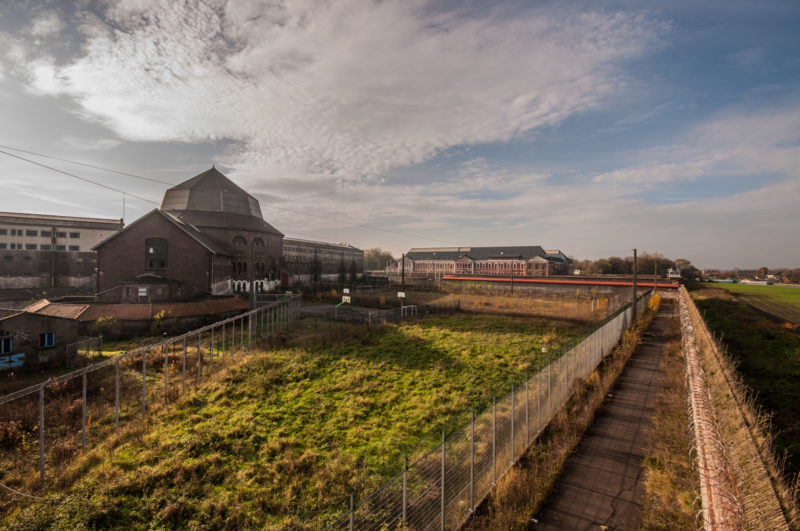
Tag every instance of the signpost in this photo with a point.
(345, 300)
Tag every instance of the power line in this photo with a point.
(358, 224)
(79, 177)
(337, 220)
(85, 164)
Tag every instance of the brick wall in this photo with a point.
(123, 258)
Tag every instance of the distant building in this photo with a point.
(312, 261)
(209, 238)
(30, 339)
(43, 251)
(674, 272)
(482, 261)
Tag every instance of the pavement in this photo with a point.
(602, 484)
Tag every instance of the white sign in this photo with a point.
(346, 299)
(346, 291)
(401, 294)
(143, 292)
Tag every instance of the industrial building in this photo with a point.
(209, 238)
(483, 261)
(41, 251)
(312, 261)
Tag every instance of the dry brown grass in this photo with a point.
(769, 499)
(671, 482)
(522, 490)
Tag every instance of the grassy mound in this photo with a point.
(281, 440)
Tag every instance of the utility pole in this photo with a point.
(403, 268)
(633, 307)
(655, 276)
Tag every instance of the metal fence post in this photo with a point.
(539, 397)
(212, 342)
(241, 339)
(527, 416)
(249, 329)
(183, 374)
(199, 357)
(100, 347)
(494, 439)
(472, 462)
(224, 346)
(405, 491)
(443, 472)
(41, 434)
(83, 413)
(512, 422)
(144, 383)
(116, 397)
(352, 514)
(166, 368)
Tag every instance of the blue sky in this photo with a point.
(594, 128)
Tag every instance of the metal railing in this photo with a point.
(67, 413)
(441, 489)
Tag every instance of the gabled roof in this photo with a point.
(190, 231)
(92, 312)
(223, 220)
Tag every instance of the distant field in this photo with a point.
(293, 431)
(781, 301)
(768, 357)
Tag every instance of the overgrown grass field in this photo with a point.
(282, 439)
(781, 301)
(768, 355)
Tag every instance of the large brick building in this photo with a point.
(43, 251)
(208, 238)
(311, 261)
(529, 260)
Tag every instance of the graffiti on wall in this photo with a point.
(11, 361)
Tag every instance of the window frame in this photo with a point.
(6, 345)
(47, 340)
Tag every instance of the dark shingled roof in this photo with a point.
(211, 191)
(477, 253)
(211, 200)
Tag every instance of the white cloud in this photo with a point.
(348, 89)
(46, 25)
(756, 142)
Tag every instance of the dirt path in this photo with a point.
(602, 485)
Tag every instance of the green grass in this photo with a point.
(769, 363)
(780, 301)
(294, 431)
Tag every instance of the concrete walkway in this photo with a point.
(601, 486)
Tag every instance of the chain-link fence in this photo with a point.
(441, 489)
(85, 347)
(42, 427)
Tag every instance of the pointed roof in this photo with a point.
(211, 200)
(211, 191)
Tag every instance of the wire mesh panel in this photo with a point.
(99, 421)
(444, 487)
(19, 437)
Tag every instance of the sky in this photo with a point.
(590, 127)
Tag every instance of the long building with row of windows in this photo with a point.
(312, 261)
(530, 260)
(209, 238)
(42, 251)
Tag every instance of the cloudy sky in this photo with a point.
(593, 127)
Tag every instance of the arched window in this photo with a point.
(239, 242)
(258, 242)
(156, 251)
